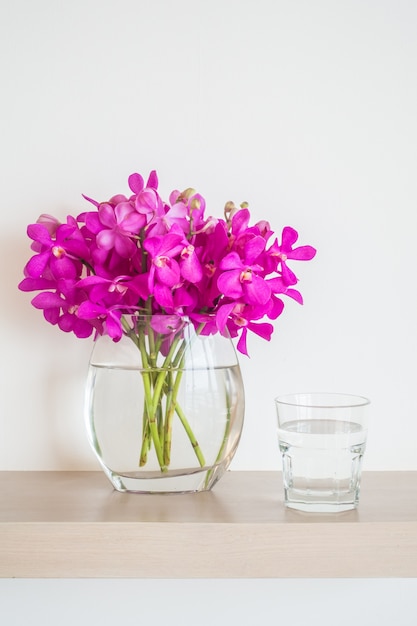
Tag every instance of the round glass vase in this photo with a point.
(164, 406)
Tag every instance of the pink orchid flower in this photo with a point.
(162, 250)
(140, 253)
(118, 225)
(238, 318)
(63, 254)
(109, 318)
(281, 253)
(241, 278)
(61, 308)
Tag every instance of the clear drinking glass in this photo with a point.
(322, 439)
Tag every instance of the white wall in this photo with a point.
(306, 109)
(206, 602)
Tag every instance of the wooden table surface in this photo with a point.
(73, 524)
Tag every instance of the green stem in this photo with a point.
(146, 439)
(151, 336)
(171, 404)
(160, 380)
(225, 438)
(151, 409)
(191, 436)
(160, 384)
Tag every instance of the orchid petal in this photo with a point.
(303, 253)
(96, 204)
(263, 330)
(89, 310)
(177, 211)
(113, 326)
(66, 322)
(50, 223)
(139, 285)
(136, 183)
(295, 295)
(105, 239)
(163, 296)
(289, 237)
(62, 267)
(240, 221)
(36, 265)
(168, 273)
(93, 223)
(253, 249)
(185, 297)
(191, 269)
(153, 180)
(47, 300)
(39, 232)
(88, 281)
(231, 261)
(257, 292)
(52, 315)
(124, 246)
(34, 284)
(166, 324)
(222, 315)
(241, 344)
(107, 215)
(277, 307)
(288, 275)
(147, 201)
(122, 211)
(134, 222)
(229, 284)
(277, 285)
(165, 245)
(117, 199)
(81, 328)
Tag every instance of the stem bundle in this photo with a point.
(162, 384)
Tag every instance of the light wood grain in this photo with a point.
(72, 524)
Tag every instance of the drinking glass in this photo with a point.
(322, 440)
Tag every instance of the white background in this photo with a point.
(305, 109)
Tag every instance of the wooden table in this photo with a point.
(73, 524)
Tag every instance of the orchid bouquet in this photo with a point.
(169, 261)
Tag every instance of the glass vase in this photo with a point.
(164, 406)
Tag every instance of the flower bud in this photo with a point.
(229, 210)
(186, 195)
